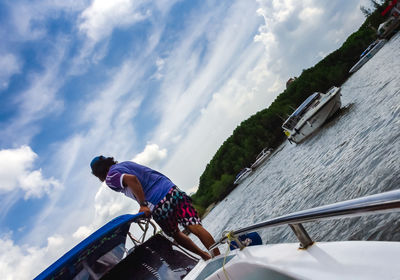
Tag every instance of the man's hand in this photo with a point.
(146, 211)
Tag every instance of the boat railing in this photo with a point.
(373, 204)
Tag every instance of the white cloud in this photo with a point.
(296, 33)
(98, 21)
(13, 163)
(16, 173)
(115, 95)
(160, 63)
(26, 262)
(39, 99)
(100, 18)
(310, 15)
(151, 155)
(27, 18)
(35, 185)
(9, 65)
(82, 232)
(160, 67)
(185, 92)
(109, 204)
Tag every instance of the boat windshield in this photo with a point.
(368, 49)
(99, 266)
(105, 255)
(291, 122)
(264, 152)
(242, 172)
(95, 255)
(300, 110)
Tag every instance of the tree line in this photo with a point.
(264, 128)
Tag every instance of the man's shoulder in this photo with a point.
(114, 180)
(127, 164)
(121, 167)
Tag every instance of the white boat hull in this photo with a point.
(326, 260)
(242, 176)
(315, 119)
(368, 56)
(261, 159)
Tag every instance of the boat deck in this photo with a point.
(323, 260)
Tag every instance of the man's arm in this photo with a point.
(133, 183)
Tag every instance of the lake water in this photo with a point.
(357, 153)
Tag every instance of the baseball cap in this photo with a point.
(95, 160)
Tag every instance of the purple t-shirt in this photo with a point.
(155, 185)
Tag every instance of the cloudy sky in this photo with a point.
(162, 82)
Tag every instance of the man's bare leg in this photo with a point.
(204, 236)
(187, 243)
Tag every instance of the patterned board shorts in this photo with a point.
(175, 208)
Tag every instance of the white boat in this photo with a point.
(311, 114)
(324, 260)
(387, 28)
(311, 260)
(262, 156)
(368, 53)
(106, 254)
(242, 175)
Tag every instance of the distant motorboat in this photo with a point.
(368, 54)
(311, 114)
(242, 175)
(386, 29)
(262, 156)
